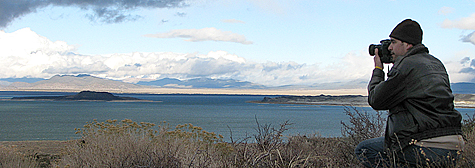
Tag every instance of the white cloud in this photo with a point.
(466, 23)
(32, 55)
(14, 43)
(462, 70)
(205, 34)
(469, 38)
(24, 53)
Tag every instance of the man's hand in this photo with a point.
(377, 59)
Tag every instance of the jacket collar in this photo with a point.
(418, 48)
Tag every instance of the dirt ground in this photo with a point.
(37, 147)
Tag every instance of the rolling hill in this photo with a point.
(88, 82)
(69, 82)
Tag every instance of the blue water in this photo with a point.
(222, 114)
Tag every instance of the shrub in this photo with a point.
(129, 144)
(468, 154)
(362, 125)
(266, 151)
(195, 133)
(126, 143)
(10, 157)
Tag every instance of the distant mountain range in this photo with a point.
(88, 82)
(69, 82)
(202, 83)
(463, 88)
(82, 96)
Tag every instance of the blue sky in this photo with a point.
(270, 42)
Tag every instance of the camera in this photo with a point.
(383, 51)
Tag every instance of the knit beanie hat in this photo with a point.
(408, 31)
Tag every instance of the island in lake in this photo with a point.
(82, 96)
(460, 100)
(353, 100)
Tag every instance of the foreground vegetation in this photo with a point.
(127, 143)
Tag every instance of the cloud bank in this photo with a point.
(467, 23)
(463, 70)
(108, 11)
(205, 34)
(469, 38)
(27, 54)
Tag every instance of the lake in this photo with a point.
(222, 114)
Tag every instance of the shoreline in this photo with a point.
(460, 100)
(315, 103)
(112, 101)
(295, 92)
(237, 92)
(470, 106)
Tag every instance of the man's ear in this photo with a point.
(408, 45)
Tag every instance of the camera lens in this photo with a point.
(383, 51)
(372, 47)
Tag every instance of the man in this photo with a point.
(423, 128)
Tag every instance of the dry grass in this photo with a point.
(468, 154)
(129, 144)
(10, 157)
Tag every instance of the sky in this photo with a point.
(268, 42)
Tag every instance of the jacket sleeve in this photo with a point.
(385, 94)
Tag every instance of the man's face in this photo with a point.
(398, 48)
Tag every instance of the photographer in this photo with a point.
(423, 128)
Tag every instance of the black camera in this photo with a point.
(383, 51)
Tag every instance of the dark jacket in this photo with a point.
(419, 99)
